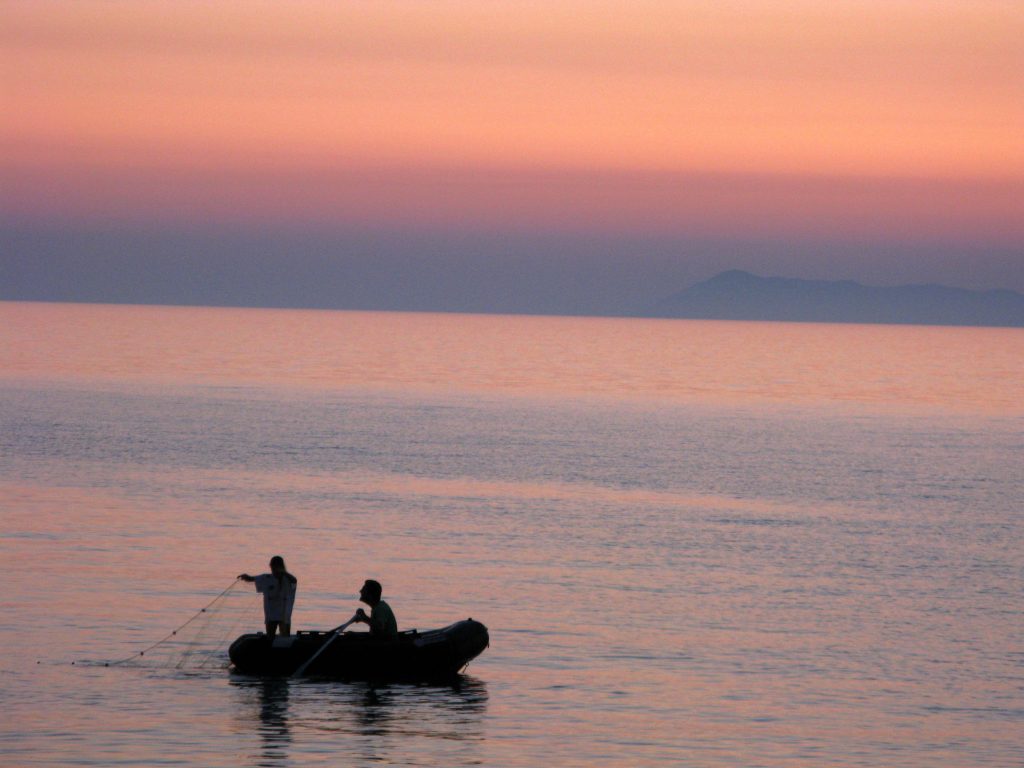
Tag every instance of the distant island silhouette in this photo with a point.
(739, 295)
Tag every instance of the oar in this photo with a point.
(335, 634)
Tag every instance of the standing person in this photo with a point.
(278, 589)
(382, 618)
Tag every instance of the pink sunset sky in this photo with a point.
(896, 124)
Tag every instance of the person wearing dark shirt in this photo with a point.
(382, 618)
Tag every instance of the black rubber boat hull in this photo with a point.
(434, 655)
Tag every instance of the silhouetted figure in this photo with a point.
(382, 618)
(278, 588)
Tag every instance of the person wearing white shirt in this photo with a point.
(278, 589)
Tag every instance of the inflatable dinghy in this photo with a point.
(413, 656)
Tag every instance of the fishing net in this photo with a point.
(202, 641)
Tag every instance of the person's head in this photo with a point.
(371, 592)
(277, 566)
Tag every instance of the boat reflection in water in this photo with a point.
(274, 730)
(367, 722)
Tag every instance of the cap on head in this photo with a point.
(372, 589)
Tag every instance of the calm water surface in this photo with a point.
(695, 543)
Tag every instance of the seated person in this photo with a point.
(381, 619)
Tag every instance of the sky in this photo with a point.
(560, 156)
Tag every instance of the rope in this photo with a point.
(174, 632)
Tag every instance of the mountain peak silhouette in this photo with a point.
(738, 295)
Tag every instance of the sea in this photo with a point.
(694, 543)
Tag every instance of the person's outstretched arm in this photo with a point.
(246, 577)
(374, 624)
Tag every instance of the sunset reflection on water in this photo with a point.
(690, 361)
(710, 544)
